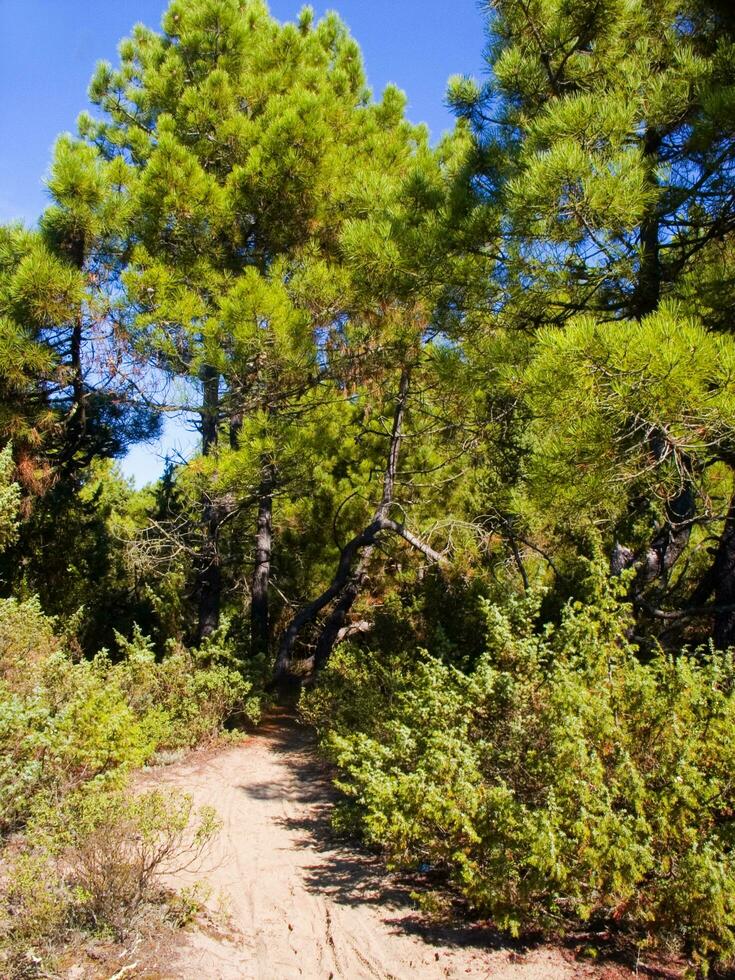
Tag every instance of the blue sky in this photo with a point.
(48, 50)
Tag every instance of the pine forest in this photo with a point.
(446, 592)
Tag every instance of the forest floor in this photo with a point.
(297, 902)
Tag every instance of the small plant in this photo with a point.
(121, 845)
(36, 901)
(97, 862)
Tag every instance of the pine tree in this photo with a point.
(616, 117)
(64, 370)
(66, 399)
(250, 143)
(604, 135)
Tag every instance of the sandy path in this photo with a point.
(302, 905)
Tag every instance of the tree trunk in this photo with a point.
(719, 579)
(724, 576)
(235, 429)
(208, 584)
(351, 572)
(210, 408)
(259, 605)
(79, 410)
(648, 288)
(77, 421)
(235, 413)
(344, 577)
(209, 578)
(665, 549)
(336, 620)
(669, 543)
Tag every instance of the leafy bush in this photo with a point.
(92, 852)
(9, 498)
(27, 637)
(198, 689)
(96, 862)
(561, 780)
(65, 723)
(68, 724)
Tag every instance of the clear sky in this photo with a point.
(48, 50)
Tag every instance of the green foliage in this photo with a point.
(55, 331)
(93, 850)
(279, 217)
(96, 862)
(622, 405)
(9, 499)
(197, 690)
(560, 780)
(598, 189)
(121, 842)
(66, 724)
(27, 639)
(601, 116)
(90, 521)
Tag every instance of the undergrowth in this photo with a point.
(560, 781)
(82, 850)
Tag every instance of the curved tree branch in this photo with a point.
(351, 571)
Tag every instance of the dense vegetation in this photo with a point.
(467, 418)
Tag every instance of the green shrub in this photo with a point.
(27, 638)
(92, 852)
(95, 862)
(9, 499)
(561, 780)
(35, 902)
(72, 727)
(64, 723)
(198, 689)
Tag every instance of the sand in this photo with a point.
(300, 903)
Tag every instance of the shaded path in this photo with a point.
(300, 903)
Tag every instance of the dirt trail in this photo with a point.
(302, 905)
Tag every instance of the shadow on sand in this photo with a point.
(353, 876)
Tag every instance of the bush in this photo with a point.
(92, 853)
(27, 638)
(65, 723)
(96, 862)
(9, 499)
(197, 689)
(73, 726)
(562, 780)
